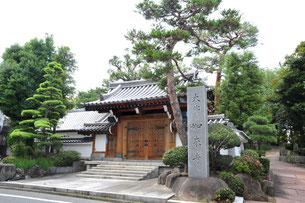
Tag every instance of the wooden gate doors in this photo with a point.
(146, 139)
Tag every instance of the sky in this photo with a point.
(94, 29)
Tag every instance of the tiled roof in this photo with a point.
(133, 91)
(75, 119)
(76, 140)
(95, 127)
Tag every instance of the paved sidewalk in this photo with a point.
(289, 179)
(143, 191)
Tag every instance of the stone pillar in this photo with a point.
(197, 123)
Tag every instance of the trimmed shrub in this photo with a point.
(234, 182)
(224, 194)
(301, 151)
(223, 161)
(266, 164)
(8, 160)
(176, 156)
(66, 158)
(250, 152)
(266, 147)
(249, 165)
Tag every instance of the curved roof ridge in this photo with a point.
(114, 91)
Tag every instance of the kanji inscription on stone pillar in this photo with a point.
(198, 142)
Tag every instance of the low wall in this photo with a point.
(7, 171)
(77, 166)
(293, 159)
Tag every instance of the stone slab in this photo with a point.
(198, 143)
(144, 191)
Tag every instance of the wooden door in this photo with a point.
(136, 140)
(156, 139)
(111, 145)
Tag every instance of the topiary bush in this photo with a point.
(234, 182)
(223, 162)
(250, 152)
(220, 137)
(65, 158)
(224, 194)
(248, 165)
(176, 156)
(266, 164)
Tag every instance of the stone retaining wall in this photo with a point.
(293, 159)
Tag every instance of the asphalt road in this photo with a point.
(17, 196)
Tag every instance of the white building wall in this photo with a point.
(85, 149)
(100, 143)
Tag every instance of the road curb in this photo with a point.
(107, 196)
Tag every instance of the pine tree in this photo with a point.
(41, 123)
(259, 130)
(241, 91)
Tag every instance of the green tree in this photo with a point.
(259, 130)
(218, 38)
(21, 72)
(241, 90)
(41, 123)
(175, 22)
(291, 93)
(220, 137)
(90, 95)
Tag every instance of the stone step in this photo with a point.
(114, 174)
(133, 163)
(109, 177)
(125, 167)
(117, 171)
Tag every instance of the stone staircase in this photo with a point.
(123, 170)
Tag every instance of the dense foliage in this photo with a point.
(65, 158)
(88, 96)
(21, 73)
(249, 165)
(224, 194)
(27, 163)
(220, 137)
(176, 156)
(289, 97)
(234, 182)
(223, 162)
(258, 129)
(266, 164)
(241, 90)
(250, 152)
(41, 123)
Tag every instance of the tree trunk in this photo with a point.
(217, 92)
(181, 128)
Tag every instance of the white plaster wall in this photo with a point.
(100, 143)
(178, 141)
(235, 151)
(85, 149)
